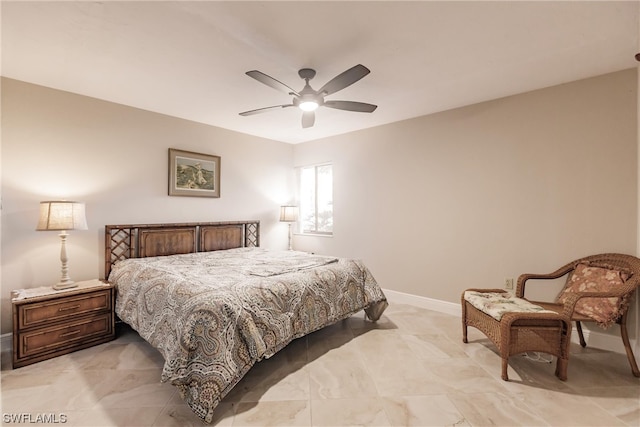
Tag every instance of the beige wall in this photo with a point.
(433, 205)
(57, 145)
(469, 197)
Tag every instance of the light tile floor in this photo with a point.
(409, 369)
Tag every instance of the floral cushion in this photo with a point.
(496, 304)
(593, 278)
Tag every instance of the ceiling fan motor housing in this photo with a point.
(307, 73)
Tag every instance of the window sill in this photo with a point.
(313, 234)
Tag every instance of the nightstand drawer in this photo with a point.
(47, 312)
(69, 334)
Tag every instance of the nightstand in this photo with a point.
(48, 322)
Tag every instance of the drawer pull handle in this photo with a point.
(73, 307)
(70, 333)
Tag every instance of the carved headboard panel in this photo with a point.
(145, 240)
(221, 237)
(167, 241)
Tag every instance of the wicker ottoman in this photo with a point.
(516, 326)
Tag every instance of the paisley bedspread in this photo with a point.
(213, 315)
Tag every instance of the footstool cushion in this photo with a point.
(495, 304)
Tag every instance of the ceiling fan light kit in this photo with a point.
(308, 99)
(308, 105)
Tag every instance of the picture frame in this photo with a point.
(193, 174)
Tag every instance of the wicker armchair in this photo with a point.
(585, 301)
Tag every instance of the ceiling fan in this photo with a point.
(308, 100)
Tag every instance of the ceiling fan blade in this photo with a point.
(308, 119)
(270, 81)
(345, 79)
(360, 107)
(264, 110)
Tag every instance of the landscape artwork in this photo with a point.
(193, 174)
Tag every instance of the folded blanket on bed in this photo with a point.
(289, 266)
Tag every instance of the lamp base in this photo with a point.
(65, 281)
(65, 285)
(290, 234)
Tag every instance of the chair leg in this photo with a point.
(627, 345)
(464, 323)
(561, 368)
(505, 366)
(583, 343)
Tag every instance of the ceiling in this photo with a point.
(188, 59)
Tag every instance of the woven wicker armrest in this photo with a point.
(556, 274)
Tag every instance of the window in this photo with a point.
(316, 199)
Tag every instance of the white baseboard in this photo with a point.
(594, 339)
(603, 341)
(423, 302)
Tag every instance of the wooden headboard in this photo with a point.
(145, 240)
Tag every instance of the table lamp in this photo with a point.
(289, 214)
(62, 216)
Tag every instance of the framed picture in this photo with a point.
(193, 174)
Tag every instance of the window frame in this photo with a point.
(300, 225)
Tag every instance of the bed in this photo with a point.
(214, 303)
